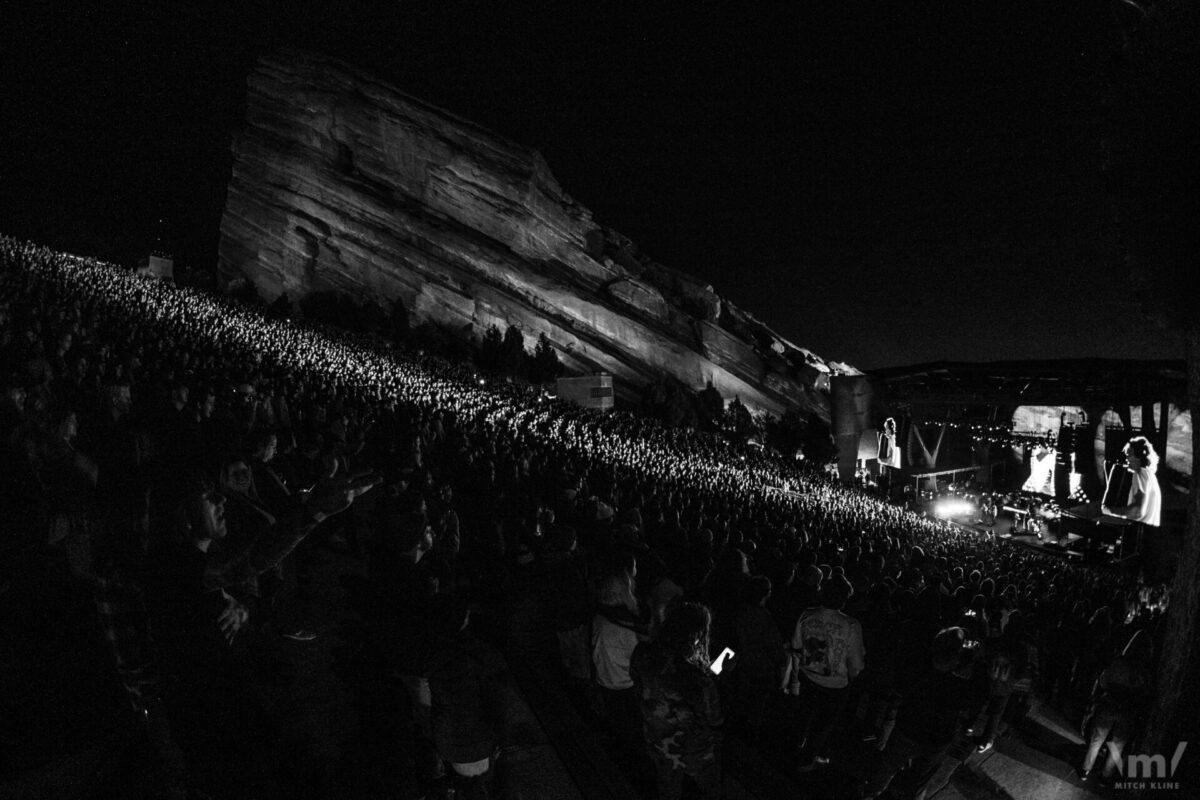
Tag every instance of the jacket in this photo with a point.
(466, 685)
(681, 709)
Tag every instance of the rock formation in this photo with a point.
(340, 182)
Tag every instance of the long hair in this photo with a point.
(177, 508)
(684, 633)
(617, 590)
(1140, 446)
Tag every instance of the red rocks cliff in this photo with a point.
(342, 182)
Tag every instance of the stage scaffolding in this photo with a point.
(916, 477)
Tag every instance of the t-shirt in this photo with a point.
(1145, 483)
(612, 647)
(826, 645)
(888, 454)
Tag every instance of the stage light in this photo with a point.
(952, 507)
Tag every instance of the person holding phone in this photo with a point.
(680, 706)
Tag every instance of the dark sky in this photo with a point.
(882, 186)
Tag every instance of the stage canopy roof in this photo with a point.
(1059, 382)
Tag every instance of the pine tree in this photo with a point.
(544, 365)
(489, 350)
(398, 321)
(737, 420)
(711, 407)
(513, 359)
(371, 318)
(281, 307)
(785, 433)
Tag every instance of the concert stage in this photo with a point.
(1073, 546)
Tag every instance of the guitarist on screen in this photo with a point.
(1144, 503)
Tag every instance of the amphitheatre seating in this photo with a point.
(162, 383)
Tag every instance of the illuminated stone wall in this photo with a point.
(340, 182)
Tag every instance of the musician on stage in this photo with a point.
(1144, 504)
(888, 456)
(988, 512)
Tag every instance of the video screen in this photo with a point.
(1042, 461)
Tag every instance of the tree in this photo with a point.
(544, 364)
(786, 433)
(341, 311)
(244, 291)
(456, 346)
(1149, 116)
(681, 409)
(817, 441)
(397, 324)
(711, 407)
(671, 403)
(369, 318)
(513, 359)
(737, 420)
(281, 307)
(489, 350)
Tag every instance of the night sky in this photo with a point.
(884, 186)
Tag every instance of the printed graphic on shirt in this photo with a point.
(816, 655)
(822, 645)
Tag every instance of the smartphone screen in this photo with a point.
(719, 664)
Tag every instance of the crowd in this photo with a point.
(177, 458)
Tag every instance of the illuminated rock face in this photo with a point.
(340, 182)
